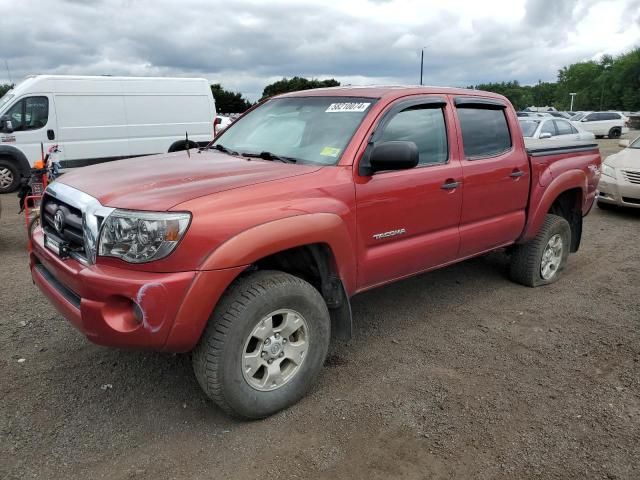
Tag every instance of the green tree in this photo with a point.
(4, 88)
(296, 83)
(228, 102)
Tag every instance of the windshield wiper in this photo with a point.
(270, 156)
(223, 149)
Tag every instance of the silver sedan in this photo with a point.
(552, 128)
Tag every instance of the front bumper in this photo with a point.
(127, 308)
(616, 191)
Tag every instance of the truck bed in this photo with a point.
(537, 148)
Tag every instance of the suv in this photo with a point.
(611, 124)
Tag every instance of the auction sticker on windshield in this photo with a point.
(347, 107)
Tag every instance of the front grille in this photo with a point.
(635, 201)
(69, 226)
(631, 176)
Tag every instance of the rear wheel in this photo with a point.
(9, 176)
(264, 345)
(539, 261)
(615, 132)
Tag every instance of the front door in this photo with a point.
(34, 123)
(408, 219)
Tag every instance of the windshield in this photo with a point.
(635, 143)
(6, 98)
(308, 129)
(528, 126)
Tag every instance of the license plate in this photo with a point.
(52, 245)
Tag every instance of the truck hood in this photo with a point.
(627, 158)
(159, 182)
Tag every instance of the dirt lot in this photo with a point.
(458, 373)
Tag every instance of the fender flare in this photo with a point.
(276, 236)
(542, 201)
(17, 156)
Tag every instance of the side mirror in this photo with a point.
(394, 155)
(624, 143)
(545, 135)
(584, 120)
(5, 124)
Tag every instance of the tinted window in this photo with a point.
(29, 113)
(592, 117)
(423, 126)
(564, 128)
(548, 127)
(609, 116)
(484, 131)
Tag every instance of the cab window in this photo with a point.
(423, 126)
(30, 113)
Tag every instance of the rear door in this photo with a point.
(407, 220)
(496, 176)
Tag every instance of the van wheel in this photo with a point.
(539, 261)
(9, 176)
(615, 132)
(264, 345)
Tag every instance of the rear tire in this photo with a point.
(539, 261)
(264, 345)
(615, 132)
(9, 176)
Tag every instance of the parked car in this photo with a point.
(611, 124)
(558, 114)
(96, 119)
(247, 253)
(221, 123)
(553, 128)
(620, 181)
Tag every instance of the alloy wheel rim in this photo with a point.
(6, 177)
(275, 350)
(551, 257)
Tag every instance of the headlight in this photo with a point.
(608, 170)
(139, 237)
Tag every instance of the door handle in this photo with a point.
(450, 184)
(516, 174)
(51, 134)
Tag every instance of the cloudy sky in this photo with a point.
(247, 44)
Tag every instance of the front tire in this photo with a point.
(264, 345)
(9, 176)
(540, 261)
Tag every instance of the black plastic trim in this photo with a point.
(69, 295)
(541, 152)
(478, 102)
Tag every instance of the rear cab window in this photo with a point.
(485, 130)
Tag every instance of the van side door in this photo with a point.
(407, 220)
(496, 175)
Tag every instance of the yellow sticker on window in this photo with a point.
(330, 152)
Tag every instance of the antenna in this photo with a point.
(186, 139)
(6, 64)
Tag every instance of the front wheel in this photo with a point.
(539, 261)
(264, 345)
(9, 176)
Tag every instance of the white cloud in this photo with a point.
(246, 44)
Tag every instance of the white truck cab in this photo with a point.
(97, 119)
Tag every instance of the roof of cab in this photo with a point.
(388, 91)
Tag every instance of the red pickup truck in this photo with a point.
(247, 252)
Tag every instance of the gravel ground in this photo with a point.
(457, 373)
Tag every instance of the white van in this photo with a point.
(97, 119)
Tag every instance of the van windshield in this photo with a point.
(6, 98)
(313, 130)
